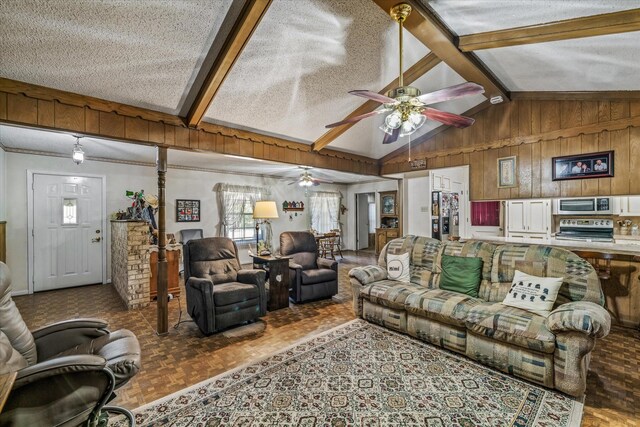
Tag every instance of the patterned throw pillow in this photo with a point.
(398, 267)
(533, 293)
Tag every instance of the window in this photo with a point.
(236, 211)
(325, 210)
(69, 211)
(245, 228)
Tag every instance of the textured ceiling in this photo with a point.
(135, 52)
(595, 63)
(366, 137)
(294, 74)
(61, 144)
(476, 16)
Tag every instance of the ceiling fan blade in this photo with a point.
(294, 182)
(448, 118)
(383, 99)
(388, 139)
(357, 118)
(452, 92)
(322, 181)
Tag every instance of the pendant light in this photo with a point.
(77, 155)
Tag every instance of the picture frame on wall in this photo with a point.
(388, 202)
(187, 210)
(507, 176)
(583, 166)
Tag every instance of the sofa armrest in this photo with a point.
(253, 277)
(580, 316)
(198, 283)
(294, 266)
(368, 274)
(58, 337)
(328, 264)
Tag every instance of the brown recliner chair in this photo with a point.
(311, 277)
(219, 293)
(66, 372)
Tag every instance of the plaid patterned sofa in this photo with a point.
(552, 351)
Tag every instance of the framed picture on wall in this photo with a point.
(507, 172)
(187, 210)
(582, 166)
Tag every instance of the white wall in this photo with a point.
(417, 206)
(181, 184)
(3, 184)
(349, 224)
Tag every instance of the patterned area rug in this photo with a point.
(364, 375)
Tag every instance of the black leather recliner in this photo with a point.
(66, 372)
(219, 293)
(311, 277)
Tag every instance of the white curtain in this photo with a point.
(232, 200)
(325, 211)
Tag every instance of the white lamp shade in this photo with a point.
(265, 209)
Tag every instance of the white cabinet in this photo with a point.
(529, 219)
(630, 206)
(440, 182)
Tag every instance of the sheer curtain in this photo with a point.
(325, 210)
(232, 202)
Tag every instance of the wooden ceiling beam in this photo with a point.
(427, 28)
(414, 72)
(427, 136)
(578, 95)
(233, 46)
(25, 104)
(588, 26)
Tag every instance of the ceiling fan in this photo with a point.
(306, 180)
(407, 107)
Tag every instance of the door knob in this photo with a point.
(95, 240)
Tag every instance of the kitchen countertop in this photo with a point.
(621, 246)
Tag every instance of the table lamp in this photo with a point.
(264, 210)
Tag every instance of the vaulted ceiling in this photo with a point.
(283, 67)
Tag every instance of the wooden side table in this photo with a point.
(278, 280)
(6, 383)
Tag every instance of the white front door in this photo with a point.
(68, 239)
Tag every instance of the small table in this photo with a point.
(6, 383)
(278, 280)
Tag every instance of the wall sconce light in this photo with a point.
(77, 155)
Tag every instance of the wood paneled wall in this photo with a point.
(535, 131)
(37, 106)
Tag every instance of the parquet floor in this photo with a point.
(185, 357)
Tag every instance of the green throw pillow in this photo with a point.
(461, 274)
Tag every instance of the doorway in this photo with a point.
(365, 220)
(67, 223)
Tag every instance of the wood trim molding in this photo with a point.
(414, 72)
(588, 26)
(48, 94)
(427, 28)
(246, 24)
(427, 136)
(23, 104)
(595, 128)
(578, 96)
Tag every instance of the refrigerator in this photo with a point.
(445, 219)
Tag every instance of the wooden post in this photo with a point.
(163, 293)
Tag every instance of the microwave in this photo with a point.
(584, 206)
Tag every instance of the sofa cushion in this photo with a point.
(309, 277)
(233, 292)
(390, 293)
(461, 274)
(511, 325)
(444, 306)
(580, 280)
